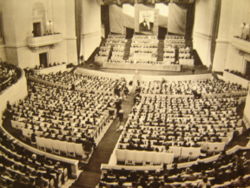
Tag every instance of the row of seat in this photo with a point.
(155, 125)
(22, 168)
(203, 87)
(228, 169)
(74, 115)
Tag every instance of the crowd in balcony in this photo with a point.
(245, 31)
(54, 64)
(9, 74)
(238, 73)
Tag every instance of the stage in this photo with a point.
(144, 66)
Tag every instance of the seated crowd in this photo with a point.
(169, 54)
(22, 168)
(169, 114)
(175, 41)
(50, 65)
(238, 73)
(117, 54)
(9, 74)
(112, 49)
(75, 108)
(203, 87)
(74, 115)
(179, 116)
(157, 122)
(144, 49)
(75, 81)
(229, 170)
(185, 56)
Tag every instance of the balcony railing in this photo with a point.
(45, 40)
(240, 44)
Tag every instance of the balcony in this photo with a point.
(240, 44)
(45, 40)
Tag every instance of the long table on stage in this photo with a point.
(143, 66)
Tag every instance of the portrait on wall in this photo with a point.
(146, 20)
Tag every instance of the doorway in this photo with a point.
(37, 29)
(43, 57)
(162, 33)
(129, 33)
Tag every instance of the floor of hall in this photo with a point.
(90, 176)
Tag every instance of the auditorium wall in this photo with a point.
(13, 93)
(222, 41)
(233, 13)
(2, 53)
(2, 50)
(177, 19)
(236, 60)
(21, 15)
(91, 27)
(70, 33)
(203, 27)
(247, 108)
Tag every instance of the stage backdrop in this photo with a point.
(116, 19)
(177, 19)
(163, 14)
(171, 16)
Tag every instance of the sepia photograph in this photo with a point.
(124, 93)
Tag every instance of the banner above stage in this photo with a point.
(120, 2)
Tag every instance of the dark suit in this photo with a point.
(144, 26)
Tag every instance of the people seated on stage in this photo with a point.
(114, 44)
(145, 49)
(175, 41)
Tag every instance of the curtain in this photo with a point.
(177, 19)
(215, 29)
(163, 21)
(78, 15)
(116, 19)
(1, 26)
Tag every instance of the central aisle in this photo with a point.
(90, 177)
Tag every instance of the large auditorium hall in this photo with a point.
(124, 93)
